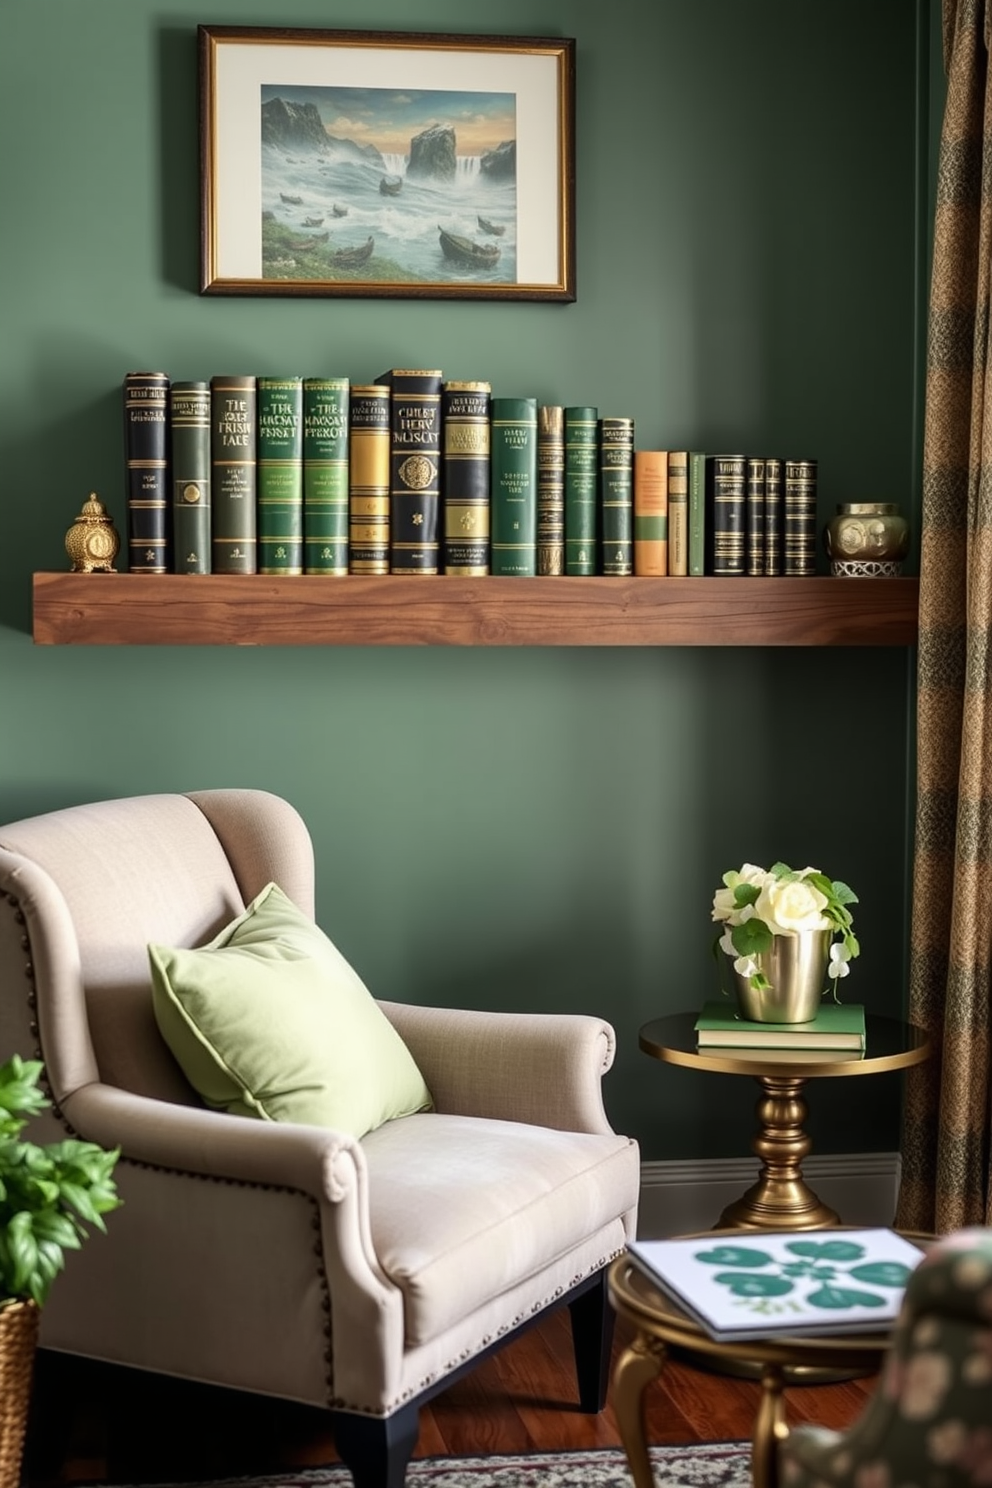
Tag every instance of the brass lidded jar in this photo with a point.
(92, 541)
(867, 540)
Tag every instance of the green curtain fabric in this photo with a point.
(946, 1180)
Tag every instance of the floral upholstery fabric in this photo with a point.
(929, 1424)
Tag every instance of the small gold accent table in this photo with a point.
(660, 1324)
(781, 1200)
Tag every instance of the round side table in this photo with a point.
(781, 1199)
(660, 1324)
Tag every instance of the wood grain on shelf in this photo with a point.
(230, 609)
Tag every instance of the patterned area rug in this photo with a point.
(721, 1466)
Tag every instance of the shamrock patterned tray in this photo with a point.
(762, 1283)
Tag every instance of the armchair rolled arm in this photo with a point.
(327, 1165)
(191, 1139)
(541, 1068)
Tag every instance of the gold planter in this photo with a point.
(18, 1344)
(796, 967)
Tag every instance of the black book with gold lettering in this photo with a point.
(189, 423)
(146, 453)
(465, 410)
(726, 482)
(773, 517)
(799, 514)
(754, 516)
(414, 469)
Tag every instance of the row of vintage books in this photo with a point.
(413, 473)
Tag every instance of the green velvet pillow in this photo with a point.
(269, 1020)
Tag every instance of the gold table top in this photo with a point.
(890, 1044)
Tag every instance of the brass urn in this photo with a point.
(92, 541)
(867, 540)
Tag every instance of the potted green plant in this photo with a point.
(49, 1195)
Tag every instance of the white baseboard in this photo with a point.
(679, 1198)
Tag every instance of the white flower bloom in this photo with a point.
(839, 958)
(727, 944)
(746, 966)
(724, 904)
(789, 907)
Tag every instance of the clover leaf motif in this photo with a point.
(754, 1284)
(734, 1255)
(817, 1261)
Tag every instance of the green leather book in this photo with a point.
(414, 469)
(836, 1026)
(325, 475)
(581, 493)
(189, 427)
(697, 513)
(514, 487)
(616, 493)
(465, 408)
(234, 469)
(280, 475)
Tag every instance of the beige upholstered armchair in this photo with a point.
(292, 1259)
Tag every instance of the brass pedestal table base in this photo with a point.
(661, 1326)
(780, 1200)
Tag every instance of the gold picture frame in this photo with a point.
(379, 163)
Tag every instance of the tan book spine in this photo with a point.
(368, 479)
(678, 513)
(651, 513)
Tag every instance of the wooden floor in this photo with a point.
(98, 1423)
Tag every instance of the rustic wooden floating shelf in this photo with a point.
(232, 610)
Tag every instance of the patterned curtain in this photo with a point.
(946, 1134)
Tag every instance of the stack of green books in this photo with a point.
(836, 1026)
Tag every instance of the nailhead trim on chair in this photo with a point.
(318, 1250)
(483, 1343)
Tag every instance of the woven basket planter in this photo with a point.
(18, 1343)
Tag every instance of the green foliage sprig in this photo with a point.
(48, 1195)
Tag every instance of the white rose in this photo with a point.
(788, 906)
(724, 903)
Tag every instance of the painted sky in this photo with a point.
(388, 119)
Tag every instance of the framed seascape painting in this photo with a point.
(387, 163)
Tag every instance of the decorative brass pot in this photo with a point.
(867, 540)
(796, 967)
(92, 541)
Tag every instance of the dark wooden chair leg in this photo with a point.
(592, 1340)
(376, 1449)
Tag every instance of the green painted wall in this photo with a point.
(523, 829)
